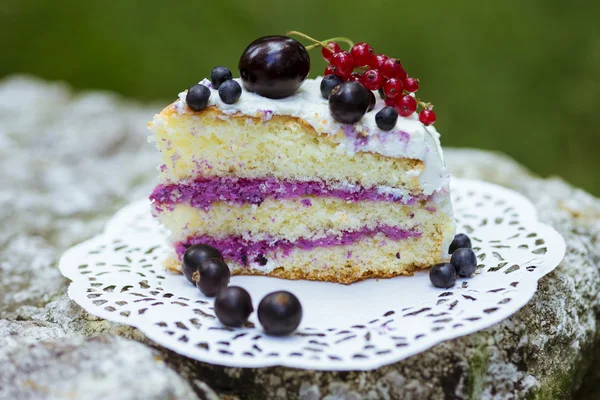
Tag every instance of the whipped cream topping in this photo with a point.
(409, 138)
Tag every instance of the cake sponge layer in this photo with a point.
(306, 217)
(371, 257)
(213, 144)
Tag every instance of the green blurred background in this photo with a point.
(519, 76)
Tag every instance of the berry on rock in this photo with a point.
(442, 275)
(280, 313)
(372, 79)
(233, 306)
(328, 83)
(349, 102)
(427, 117)
(386, 118)
(327, 52)
(212, 276)
(197, 97)
(218, 75)
(342, 63)
(460, 241)
(274, 66)
(194, 256)
(393, 87)
(411, 85)
(363, 54)
(230, 92)
(406, 105)
(464, 261)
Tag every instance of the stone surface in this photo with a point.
(69, 161)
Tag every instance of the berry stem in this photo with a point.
(427, 106)
(320, 43)
(349, 42)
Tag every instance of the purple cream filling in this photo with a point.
(203, 192)
(245, 251)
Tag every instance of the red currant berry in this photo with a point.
(342, 63)
(427, 117)
(390, 102)
(411, 84)
(393, 87)
(378, 61)
(372, 79)
(392, 68)
(406, 105)
(328, 71)
(327, 52)
(363, 54)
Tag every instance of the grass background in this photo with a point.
(522, 77)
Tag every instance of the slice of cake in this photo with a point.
(282, 188)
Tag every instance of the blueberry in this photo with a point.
(218, 75)
(386, 118)
(460, 241)
(274, 66)
(230, 92)
(197, 97)
(328, 83)
(349, 102)
(372, 101)
(212, 276)
(233, 306)
(280, 313)
(194, 255)
(442, 275)
(464, 260)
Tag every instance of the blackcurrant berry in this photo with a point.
(464, 261)
(194, 255)
(230, 92)
(280, 313)
(218, 75)
(443, 275)
(349, 102)
(233, 306)
(386, 118)
(197, 97)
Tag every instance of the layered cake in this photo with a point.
(286, 186)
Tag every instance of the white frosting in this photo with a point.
(409, 138)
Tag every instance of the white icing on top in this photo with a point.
(409, 138)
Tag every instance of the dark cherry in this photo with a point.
(349, 102)
(212, 276)
(280, 313)
(194, 255)
(460, 241)
(233, 306)
(274, 66)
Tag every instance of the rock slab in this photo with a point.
(70, 160)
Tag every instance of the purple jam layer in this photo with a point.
(202, 193)
(245, 251)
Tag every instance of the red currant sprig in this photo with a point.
(374, 72)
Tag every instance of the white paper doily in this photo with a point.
(118, 276)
